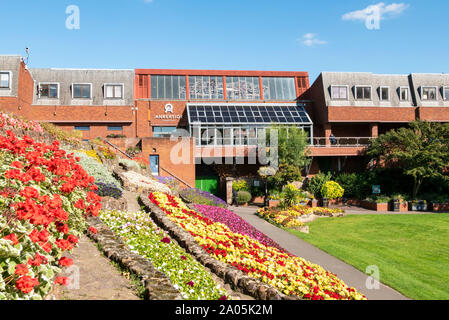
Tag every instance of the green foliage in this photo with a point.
(332, 190)
(287, 173)
(316, 183)
(421, 151)
(290, 196)
(243, 197)
(62, 135)
(240, 185)
(292, 146)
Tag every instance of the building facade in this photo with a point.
(198, 125)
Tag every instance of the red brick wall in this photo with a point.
(371, 114)
(439, 114)
(163, 147)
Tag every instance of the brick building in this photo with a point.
(198, 125)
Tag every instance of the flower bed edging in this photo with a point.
(157, 285)
(238, 280)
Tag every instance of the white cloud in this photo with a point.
(310, 40)
(381, 8)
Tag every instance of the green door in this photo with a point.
(209, 184)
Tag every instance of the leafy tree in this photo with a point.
(316, 183)
(421, 151)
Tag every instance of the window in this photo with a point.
(279, 88)
(163, 131)
(5, 80)
(82, 91)
(82, 128)
(363, 93)
(446, 93)
(428, 93)
(113, 91)
(115, 128)
(168, 87)
(206, 87)
(48, 90)
(339, 92)
(243, 88)
(403, 94)
(384, 93)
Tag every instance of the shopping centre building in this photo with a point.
(201, 126)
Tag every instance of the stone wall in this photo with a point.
(238, 280)
(157, 285)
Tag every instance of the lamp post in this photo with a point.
(266, 172)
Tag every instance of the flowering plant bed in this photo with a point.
(143, 182)
(143, 237)
(291, 275)
(192, 195)
(440, 207)
(45, 197)
(236, 224)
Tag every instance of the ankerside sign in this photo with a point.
(169, 113)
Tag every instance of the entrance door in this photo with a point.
(208, 184)
(154, 165)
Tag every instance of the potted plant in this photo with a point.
(331, 190)
(396, 202)
(377, 203)
(418, 205)
(243, 197)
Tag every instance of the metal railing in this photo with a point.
(117, 148)
(177, 178)
(340, 142)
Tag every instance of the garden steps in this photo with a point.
(98, 278)
(350, 275)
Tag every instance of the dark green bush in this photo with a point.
(316, 183)
(243, 197)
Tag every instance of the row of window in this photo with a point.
(167, 87)
(110, 128)
(365, 93)
(81, 90)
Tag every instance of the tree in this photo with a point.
(421, 151)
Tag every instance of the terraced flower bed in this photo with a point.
(291, 275)
(144, 238)
(236, 224)
(45, 197)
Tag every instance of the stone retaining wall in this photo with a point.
(237, 279)
(157, 285)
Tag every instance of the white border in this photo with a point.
(380, 93)
(114, 84)
(421, 93)
(10, 79)
(408, 93)
(39, 89)
(340, 85)
(80, 83)
(444, 89)
(363, 86)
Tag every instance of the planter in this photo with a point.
(313, 203)
(417, 206)
(258, 200)
(374, 206)
(398, 206)
(325, 203)
(440, 207)
(273, 203)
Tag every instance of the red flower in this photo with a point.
(29, 192)
(34, 235)
(26, 284)
(46, 246)
(166, 240)
(65, 262)
(17, 164)
(21, 269)
(183, 257)
(93, 230)
(63, 281)
(64, 244)
(72, 239)
(61, 227)
(223, 298)
(38, 260)
(13, 238)
(80, 204)
(191, 283)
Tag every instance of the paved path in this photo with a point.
(98, 279)
(350, 275)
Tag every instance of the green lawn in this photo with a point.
(411, 251)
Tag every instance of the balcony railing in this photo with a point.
(341, 142)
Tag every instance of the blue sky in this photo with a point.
(293, 35)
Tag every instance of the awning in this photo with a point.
(247, 114)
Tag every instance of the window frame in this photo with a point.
(75, 128)
(81, 98)
(429, 87)
(400, 94)
(113, 128)
(113, 85)
(444, 93)
(363, 99)
(9, 79)
(340, 99)
(48, 83)
(380, 93)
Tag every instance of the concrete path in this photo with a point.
(350, 275)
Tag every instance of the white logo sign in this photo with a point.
(73, 20)
(168, 108)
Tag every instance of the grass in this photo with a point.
(411, 251)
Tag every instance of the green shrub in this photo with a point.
(317, 182)
(240, 185)
(351, 183)
(332, 190)
(243, 197)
